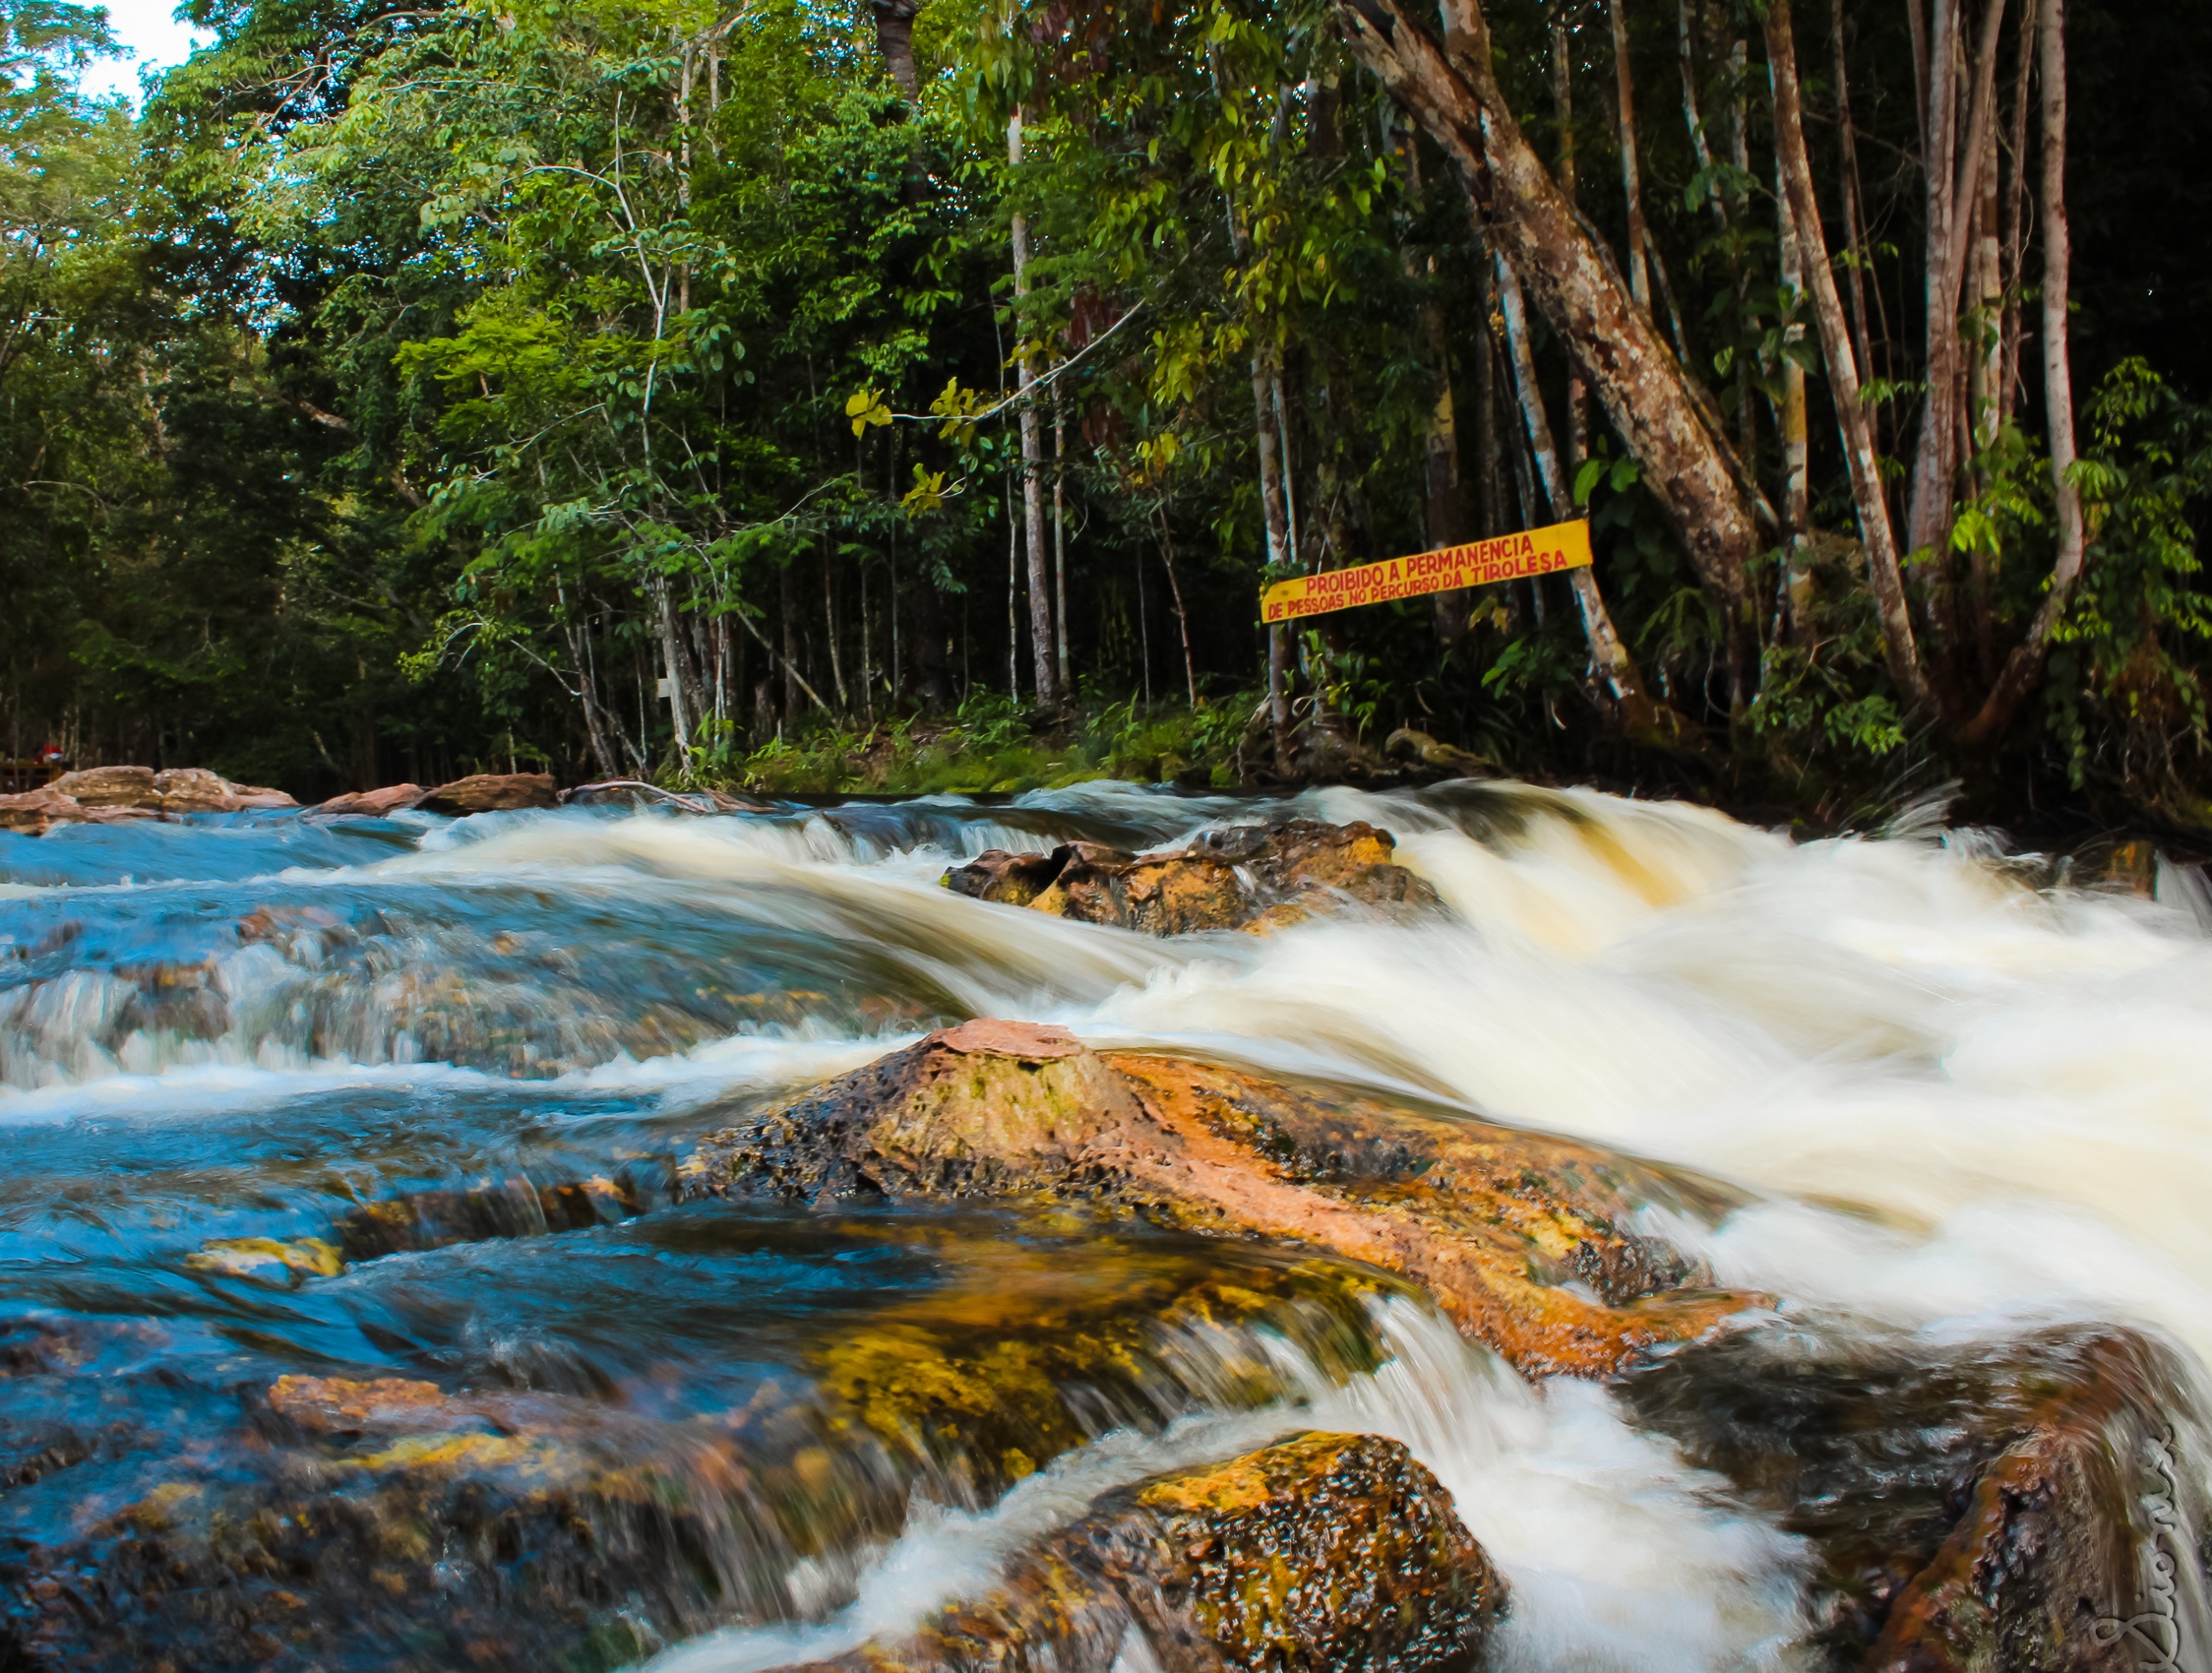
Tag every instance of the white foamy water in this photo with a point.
(1616, 1557)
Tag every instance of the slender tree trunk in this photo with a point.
(1275, 515)
(1443, 501)
(1854, 216)
(1032, 455)
(1639, 278)
(1886, 574)
(1796, 476)
(2015, 229)
(1014, 600)
(1562, 109)
(1687, 467)
(2024, 667)
(672, 654)
(1610, 661)
(1490, 495)
(829, 630)
(1060, 538)
(1175, 592)
(1954, 164)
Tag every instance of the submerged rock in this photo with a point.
(1511, 1232)
(1244, 877)
(1335, 1553)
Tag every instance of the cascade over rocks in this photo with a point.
(1511, 1232)
(1335, 1552)
(1244, 877)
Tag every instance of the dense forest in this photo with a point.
(649, 388)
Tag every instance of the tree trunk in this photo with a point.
(1639, 278)
(829, 630)
(1609, 662)
(1060, 540)
(1175, 592)
(1797, 478)
(1562, 109)
(2025, 666)
(1275, 516)
(1032, 455)
(1686, 466)
(895, 38)
(2015, 229)
(1898, 645)
(672, 655)
(1854, 218)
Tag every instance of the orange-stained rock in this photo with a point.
(1244, 877)
(491, 793)
(1322, 1552)
(391, 798)
(1511, 1232)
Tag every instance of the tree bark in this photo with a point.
(2024, 667)
(1059, 541)
(1688, 466)
(1562, 109)
(1275, 517)
(1898, 646)
(895, 38)
(1854, 216)
(1615, 669)
(1632, 185)
(1032, 455)
(1797, 478)
(2015, 233)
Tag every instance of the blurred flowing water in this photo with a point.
(1961, 1102)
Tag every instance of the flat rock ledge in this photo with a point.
(111, 795)
(1518, 1237)
(1248, 877)
(1325, 1552)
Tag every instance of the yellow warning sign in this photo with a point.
(1479, 563)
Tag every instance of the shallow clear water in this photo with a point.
(1956, 1103)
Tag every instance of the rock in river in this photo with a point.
(1244, 877)
(1328, 1553)
(1512, 1232)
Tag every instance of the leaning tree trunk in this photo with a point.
(2025, 666)
(1687, 467)
(1895, 616)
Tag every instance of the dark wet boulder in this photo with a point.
(2032, 1502)
(1244, 877)
(1328, 1553)
(491, 793)
(1511, 1232)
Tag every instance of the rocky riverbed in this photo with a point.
(925, 1236)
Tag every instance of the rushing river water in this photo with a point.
(1944, 1100)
